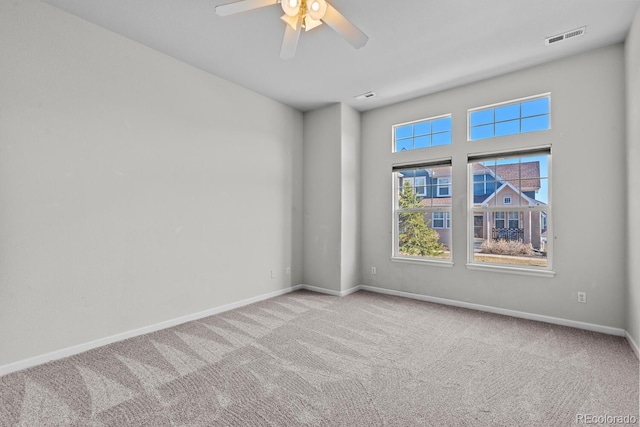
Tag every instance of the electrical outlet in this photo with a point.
(288, 271)
(373, 270)
(582, 297)
(273, 274)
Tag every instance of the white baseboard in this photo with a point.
(331, 291)
(513, 313)
(80, 348)
(70, 351)
(633, 344)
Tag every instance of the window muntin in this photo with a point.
(521, 116)
(422, 223)
(422, 134)
(514, 233)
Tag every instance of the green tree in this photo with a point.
(416, 238)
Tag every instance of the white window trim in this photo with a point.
(446, 220)
(472, 208)
(395, 253)
(412, 180)
(501, 104)
(507, 200)
(447, 185)
(428, 119)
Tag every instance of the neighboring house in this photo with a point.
(506, 185)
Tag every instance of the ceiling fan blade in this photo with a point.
(290, 40)
(242, 6)
(346, 29)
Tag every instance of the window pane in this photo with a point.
(423, 134)
(508, 128)
(441, 125)
(417, 236)
(508, 112)
(423, 232)
(443, 138)
(404, 131)
(422, 141)
(423, 128)
(481, 117)
(404, 144)
(523, 243)
(535, 107)
(481, 132)
(536, 123)
(510, 119)
(506, 237)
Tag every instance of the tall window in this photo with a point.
(510, 230)
(520, 116)
(422, 213)
(422, 134)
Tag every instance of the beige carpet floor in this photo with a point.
(306, 359)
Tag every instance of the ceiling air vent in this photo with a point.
(565, 36)
(365, 95)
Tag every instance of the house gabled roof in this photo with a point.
(529, 200)
(525, 175)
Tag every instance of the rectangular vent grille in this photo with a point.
(366, 95)
(564, 36)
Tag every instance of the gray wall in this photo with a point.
(588, 137)
(134, 188)
(632, 50)
(332, 198)
(322, 190)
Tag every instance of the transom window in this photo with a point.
(513, 117)
(422, 134)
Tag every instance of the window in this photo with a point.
(441, 220)
(444, 187)
(422, 134)
(510, 230)
(513, 117)
(418, 183)
(514, 220)
(422, 219)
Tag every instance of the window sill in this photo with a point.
(423, 261)
(512, 270)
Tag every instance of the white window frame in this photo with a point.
(474, 210)
(443, 183)
(414, 122)
(509, 219)
(427, 210)
(502, 104)
(502, 218)
(446, 220)
(507, 200)
(413, 180)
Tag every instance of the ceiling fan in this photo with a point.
(299, 14)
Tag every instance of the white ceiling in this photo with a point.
(415, 47)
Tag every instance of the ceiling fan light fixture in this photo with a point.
(310, 23)
(316, 9)
(291, 7)
(292, 21)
